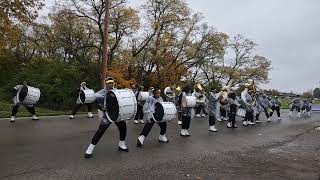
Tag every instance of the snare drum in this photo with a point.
(241, 112)
(164, 111)
(189, 101)
(87, 96)
(28, 95)
(121, 105)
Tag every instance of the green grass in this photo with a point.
(5, 111)
(316, 101)
(284, 103)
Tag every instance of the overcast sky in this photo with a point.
(287, 32)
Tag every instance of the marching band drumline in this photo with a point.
(147, 107)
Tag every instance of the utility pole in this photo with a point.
(104, 67)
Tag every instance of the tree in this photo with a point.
(307, 94)
(275, 92)
(11, 14)
(240, 65)
(316, 92)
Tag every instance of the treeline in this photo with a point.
(159, 44)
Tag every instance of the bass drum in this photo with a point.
(164, 111)
(28, 95)
(241, 112)
(143, 96)
(121, 105)
(189, 101)
(87, 96)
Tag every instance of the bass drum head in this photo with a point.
(23, 93)
(159, 111)
(112, 106)
(82, 96)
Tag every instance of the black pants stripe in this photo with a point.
(232, 118)
(15, 108)
(249, 116)
(200, 108)
(186, 122)
(148, 126)
(104, 126)
(275, 108)
(139, 114)
(212, 120)
(295, 107)
(78, 106)
(223, 112)
(266, 112)
(257, 116)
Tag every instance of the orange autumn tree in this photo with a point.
(120, 80)
(12, 13)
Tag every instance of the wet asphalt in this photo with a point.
(53, 148)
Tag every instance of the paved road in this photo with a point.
(53, 148)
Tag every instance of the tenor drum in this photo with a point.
(164, 111)
(241, 112)
(121, 105)
(87, 96)
(189, 101)
(143, 96)
(28, 95)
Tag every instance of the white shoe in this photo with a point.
(203, 115)
(71, 117)
(179, 122)
(229, 125)
(136, 121)
(141, 121)
(12, 119)
(250, 123)
(244, 123)
(183, 132)
(122, 146)
(163, 139)
(219, 120)
(290, 114)
(257, 121)
(187, 133)
(213, 129)
(269, 120)
(34, 117)
(89, 151)
(279, 118)
(90, 115)
(198, 115)
(140, 140)
(225, 119)
(299, 115)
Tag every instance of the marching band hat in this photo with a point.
(109, 80)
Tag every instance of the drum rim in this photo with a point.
(18, 94)
(28, 88)
(164, 113)
(121, 109)
(183, 101)
(85, 98)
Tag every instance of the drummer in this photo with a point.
(105, 123)
(79, 104)
(139, 115)
(149, 110)
(16, 105)
(185, 111)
